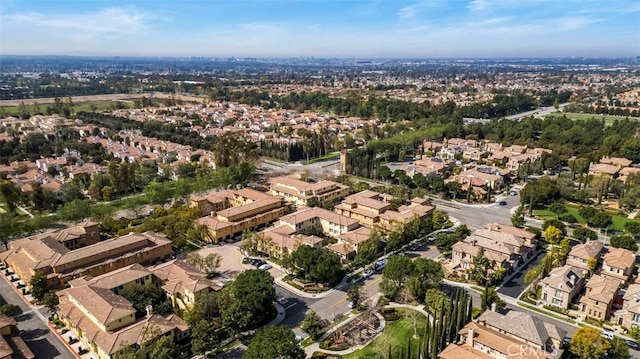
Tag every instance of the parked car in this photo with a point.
(282, 300)
(633, 344)
(259, 263)
(431, 239)
(566, 341)
(358, 279)
(502, 203)
(351, 305)
(253, 261)
(367, 273)
(607, 334)
(265, 266)
(415, 247)
(380, 263)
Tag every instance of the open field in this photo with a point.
(617, 221)
(100, 98)
(77, 107)
(395, 336)
(608, 119)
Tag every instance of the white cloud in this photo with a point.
(108, 20)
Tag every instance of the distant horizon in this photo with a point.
(302, 57)
(322, 29)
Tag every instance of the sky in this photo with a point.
(322, 28)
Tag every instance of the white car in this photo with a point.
(367, 273)
(282, 300)
(607, 334)
(351, 305)
(265, 266)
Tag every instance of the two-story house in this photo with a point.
(597, 300)
(582, 254)
(629, 315)
(301, 192)
(561, 286)
(618, 264)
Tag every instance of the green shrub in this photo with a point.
(568, 217)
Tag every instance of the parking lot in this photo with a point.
(231, 264)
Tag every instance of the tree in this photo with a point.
(633, 227)
(7, 310)
(75, 211)
(426, 274)
(600, 220)
(208, 264)
(587, 343)
(142, 296)
(9, 194)
(397, 270)
(248, 301)
(624, 241)
(583, 234)
(592, 263)
(51, 301)
(558, 208)
(368, 249)
(165, 348)
(552, 235)
(435, 299)
(489, 296)
(355, 294)
(38, 285)
(439, 219)
(274, 342)
(517, 218)
(619, 349)
(318, 265)
(312, 324)
(480, 267)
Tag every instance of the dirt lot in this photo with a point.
(231, 264)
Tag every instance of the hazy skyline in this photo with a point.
(329, 28)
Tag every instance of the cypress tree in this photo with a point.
(389, 352)
(409, 347)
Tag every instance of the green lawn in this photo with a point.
(617, 225)
(395, 334)
(608, 119)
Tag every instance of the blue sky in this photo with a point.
(322, 28)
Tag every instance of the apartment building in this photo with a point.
(581, 254)
(511, 335)
(616, 161)
(106, 322)
(365, 207)
(417, 208)
(300, 192)
(429, 166)
(561, 286)
(78, 236)
(347, 245)
(333, 224)
(182, 282)
(618, 264)
(12, 346)
(233, 212)
(597, 301)
(629, 315)
(59, 264)
(479, 178)
(505, 246)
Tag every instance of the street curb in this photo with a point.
(53, 329)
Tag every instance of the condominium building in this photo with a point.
(618, 264)
(375, 209)
(505, 246)
(581, 254)
(47, 256)
(12, 346)
(597, 302)
(301, 192)
(107, 323)
(511, 335)
(233, 212)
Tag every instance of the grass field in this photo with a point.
(608, 119)
(77, 107)
(617, 221)
(395, 334)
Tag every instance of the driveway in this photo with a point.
(231, 264)
(515, 285)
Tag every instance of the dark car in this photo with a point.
(502, 203)
(259, 263)
(253, 261)
(633, 344)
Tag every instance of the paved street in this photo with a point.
(33, 328)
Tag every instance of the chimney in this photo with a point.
(149, 309)
(494, 306)
(470, 335)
